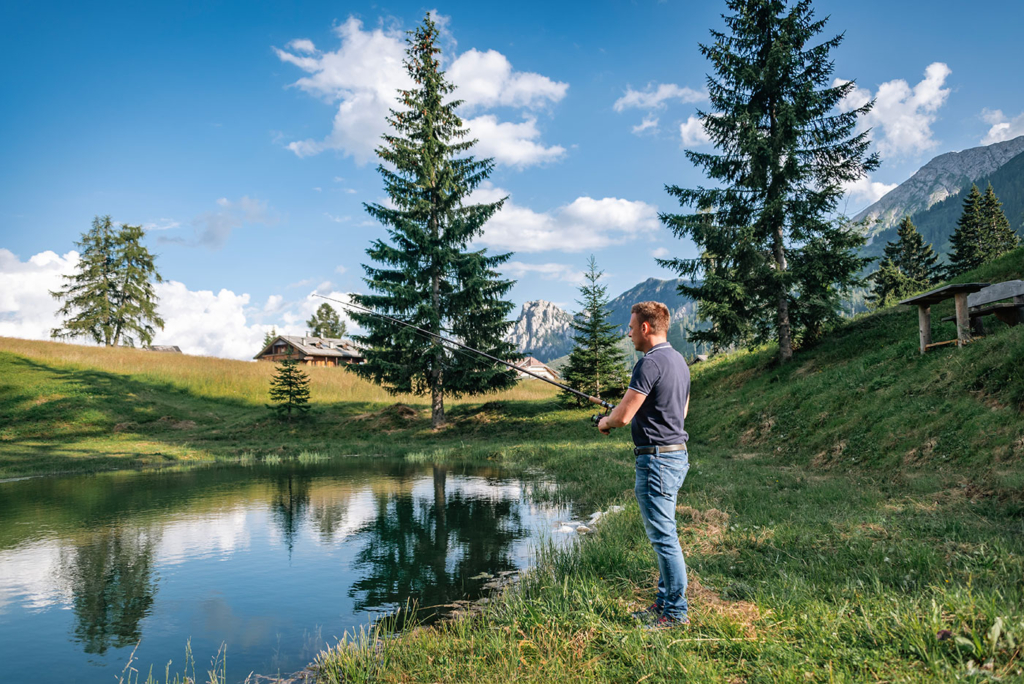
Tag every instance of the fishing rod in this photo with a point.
(447, 340)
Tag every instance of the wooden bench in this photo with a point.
(923, 302)
(988, 301)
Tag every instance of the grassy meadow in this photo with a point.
(856, 515)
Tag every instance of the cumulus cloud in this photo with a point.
(583, 224)
(692, 132)
(363, 75)
(550, 271)
(655, 96)
(486, 79)
(200, 322)
(1002, 128)
(26, 308)
(902, 117)
(511, 144)
(660, 252)
(865, 191)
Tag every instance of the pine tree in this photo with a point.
(426, 275)
(110, 298)
(326, 323)
(596, 366)
(908, 265)
(966, 244)
(269, 337)
(787, 146)
(996, 235)
(289, 390)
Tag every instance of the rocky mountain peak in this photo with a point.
(943, 176)
(542, 330)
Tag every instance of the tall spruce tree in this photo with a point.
(110, 298)
(325, 322)
(787, 146)
(426, 275)
(908, 265)
(967, 251)
(596, 365)
(996, 235)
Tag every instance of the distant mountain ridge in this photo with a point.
(544, 331)
(939, 179)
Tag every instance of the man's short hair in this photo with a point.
(655, 314)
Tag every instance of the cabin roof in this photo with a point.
(308, 345)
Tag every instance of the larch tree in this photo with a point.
(596, 365)
(908, 265)
(426, 274)
(110, 298)
(787, 145)
(325, 322)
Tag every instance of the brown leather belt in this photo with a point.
(658, 449)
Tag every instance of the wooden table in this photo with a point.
(924, 302)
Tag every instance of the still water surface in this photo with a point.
(274, 561)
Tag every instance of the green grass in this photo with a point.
(843, 515)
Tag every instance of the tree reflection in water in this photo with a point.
(110, 577)
(428, 552)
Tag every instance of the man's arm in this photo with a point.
(623, 413)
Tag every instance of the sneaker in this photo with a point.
(665, 622)
(649, 614)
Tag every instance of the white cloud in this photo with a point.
(318, 189)
(648, 125)
(511, 144)
(551, 271)
(660, 252)
(302, 45)
(340, 269)
(364, 74)
(337, 219)
(200, 322)
(273, 303)
(902, 116)
(692, 132)
(26, 308)
(486, 79)
(585, 223)
(1002, 127)
(213, 228)
(654, 97)
(866, 192)
(162, 224)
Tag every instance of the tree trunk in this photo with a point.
(782, 319)
(436, 391)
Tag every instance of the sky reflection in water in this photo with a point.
(275, 561)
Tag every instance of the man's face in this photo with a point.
(636, 332)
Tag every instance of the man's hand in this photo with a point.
(603, 427)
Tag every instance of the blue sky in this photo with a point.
(194, 120)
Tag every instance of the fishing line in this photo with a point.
(440, 338)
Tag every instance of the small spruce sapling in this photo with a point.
(289, 390)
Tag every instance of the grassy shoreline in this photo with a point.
(857, 515)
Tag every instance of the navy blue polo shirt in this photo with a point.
(664, 378)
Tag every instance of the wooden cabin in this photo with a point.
(311, 351)
(534, 366)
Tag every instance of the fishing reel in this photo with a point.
(596, 418)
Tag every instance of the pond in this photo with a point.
(275, 562)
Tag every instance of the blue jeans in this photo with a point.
(658, 478)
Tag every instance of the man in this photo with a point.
(656, 403)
